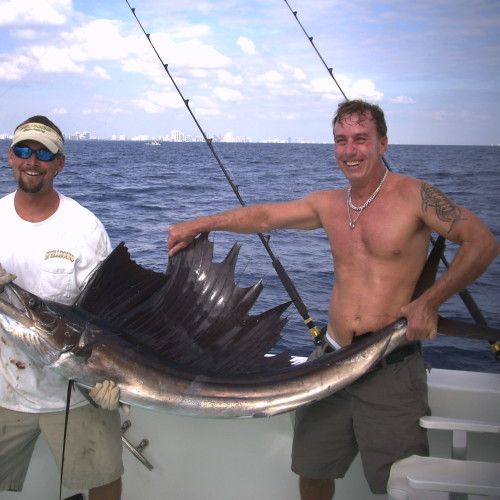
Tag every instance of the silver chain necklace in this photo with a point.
(360, 209)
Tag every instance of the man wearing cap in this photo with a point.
(54, 243)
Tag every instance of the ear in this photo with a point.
(61, 159)
(10, 156)
(383, 144)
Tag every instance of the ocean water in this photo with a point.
(138, 190)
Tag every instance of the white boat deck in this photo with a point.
(249, 459)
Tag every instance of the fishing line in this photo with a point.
(280, 270)
(66, 419)
(464, 294)
(310, 38)
(330, 70)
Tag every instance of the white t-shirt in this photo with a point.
(51, 259)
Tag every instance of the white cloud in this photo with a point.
(271, 77)
(100, 108)
(227, 78)
(365, 89)
(402, 99)
(225, 94)
(208, 112)
(67, 53)
(362, 88)
(102, 40)
(191, 31)
(191, 53)
(101, 72)
(326, 85)
(153, 101)
(296, 73)
(13, 70)
(35, 12)
(98, 40)
(246, 45)
(278, 116)
(25, 34)
(54, 59)
(59, 111)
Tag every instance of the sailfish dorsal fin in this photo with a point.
(193, 314)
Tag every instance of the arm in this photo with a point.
(299, 214)
(477, 249)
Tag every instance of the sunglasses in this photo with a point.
(42, 154)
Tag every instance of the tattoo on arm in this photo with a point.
(446, 210)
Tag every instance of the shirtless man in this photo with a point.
(379, 230)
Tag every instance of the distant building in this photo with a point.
(178, 136)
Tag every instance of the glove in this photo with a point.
(106, 395)
(5, 278)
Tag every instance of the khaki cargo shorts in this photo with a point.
(93, 454)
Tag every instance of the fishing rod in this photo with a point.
(464, 294)
(280, 270)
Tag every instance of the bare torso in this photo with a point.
(377, 264)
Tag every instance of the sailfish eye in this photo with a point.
(34, 303)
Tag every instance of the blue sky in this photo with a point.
(247, 67)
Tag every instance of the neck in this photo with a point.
(36, 207)
(361, 189)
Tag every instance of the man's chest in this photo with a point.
(380, 232)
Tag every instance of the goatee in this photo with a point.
(30, 189)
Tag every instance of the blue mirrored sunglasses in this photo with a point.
(26, 152)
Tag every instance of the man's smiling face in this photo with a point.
(358, 146)
(33, 175)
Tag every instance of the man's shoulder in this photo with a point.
(405, 183)
(70, 204)
(325, 197)
(72, 209)
(404, 177)
(7, 198)
(7, 202)
(323, 194)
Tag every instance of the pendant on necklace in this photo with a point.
(360, 209)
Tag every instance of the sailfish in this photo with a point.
(183, 341)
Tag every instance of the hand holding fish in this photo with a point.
(106, 395)
(180, 236)
(422, 320)
(5, 278)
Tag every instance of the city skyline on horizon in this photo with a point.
(176, 136)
